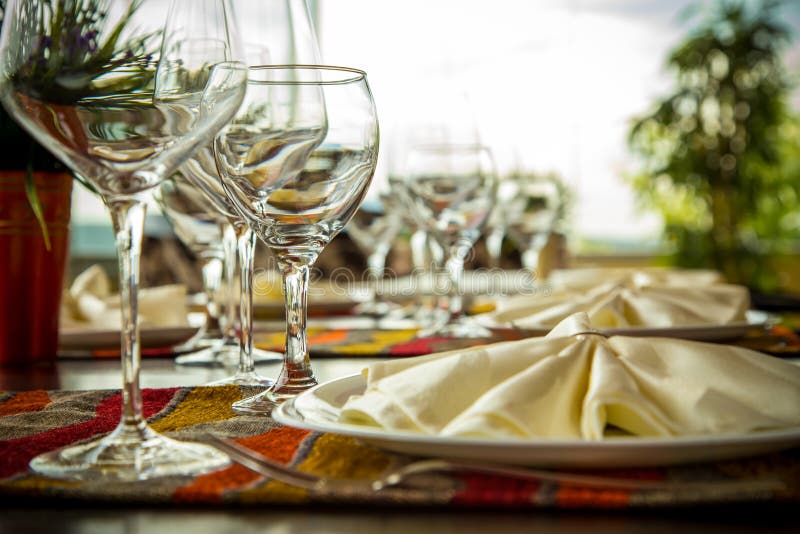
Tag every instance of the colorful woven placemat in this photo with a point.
(779, 341)
(33, 422)
(361, 342)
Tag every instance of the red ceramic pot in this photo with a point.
(31, 276)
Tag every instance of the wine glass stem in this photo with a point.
(212, 277)
(296, 374)
(246, 243)
(494, 246)
(376, 264)
(419, 250)
(455, 268)
(229, 250)
(128, 218)
(530, 260)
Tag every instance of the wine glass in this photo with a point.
(297, 161)
(272, 31)
(373, 229)
(497, 225)
(108, 90)
(453, 190)
(426, 256)
(431, 117)
(532, 215)
(200, 227)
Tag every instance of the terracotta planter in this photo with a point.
(32, 277)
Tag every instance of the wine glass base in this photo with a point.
(260, 404)
(263, 403)
(225, 356)
(377, 309)
(127, 455)
(462, 327)
(218, 356)
(244, 379)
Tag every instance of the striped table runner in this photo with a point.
(33, 422)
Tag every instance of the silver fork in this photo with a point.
(402, 474)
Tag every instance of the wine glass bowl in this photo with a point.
(86, 79)
(193, 218)
(296, 161)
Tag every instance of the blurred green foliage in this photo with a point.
(721, 155)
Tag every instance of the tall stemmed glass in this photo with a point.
(297, 161)
(89, 80)
(453, 190)
(273, 31)
(373, 229)
(200, 227)
(533, 214)
(497, 225)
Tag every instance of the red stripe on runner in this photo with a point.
(15, 454)
(496, 491)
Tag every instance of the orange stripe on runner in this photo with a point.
(25, 401)
(331, 336)
(579, 497)
(279, 444)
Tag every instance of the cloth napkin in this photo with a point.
(583, 278)
(89, 304)
(636, 299)
(577, 384)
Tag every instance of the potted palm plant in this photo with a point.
(35, 193)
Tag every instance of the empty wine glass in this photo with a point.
(426, 256)
(110, 93)
(453, 190)
(373, 229)
(497, 225)
(296, 161)
(273, 31)
(532, 215)
(205, 232)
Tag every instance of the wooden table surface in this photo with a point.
(85, 374)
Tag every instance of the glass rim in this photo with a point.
(356, 75)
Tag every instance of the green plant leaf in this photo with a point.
(36, 206)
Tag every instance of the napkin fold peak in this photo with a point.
(628, 303)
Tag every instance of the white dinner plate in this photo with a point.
(755, 320)
(82, 339)
(318, 410)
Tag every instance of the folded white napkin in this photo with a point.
(632, 300)
(88, 303)
(588, 277)
(576, 385)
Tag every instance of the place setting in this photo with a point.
(379, 305)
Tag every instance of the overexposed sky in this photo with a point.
(554, 83)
